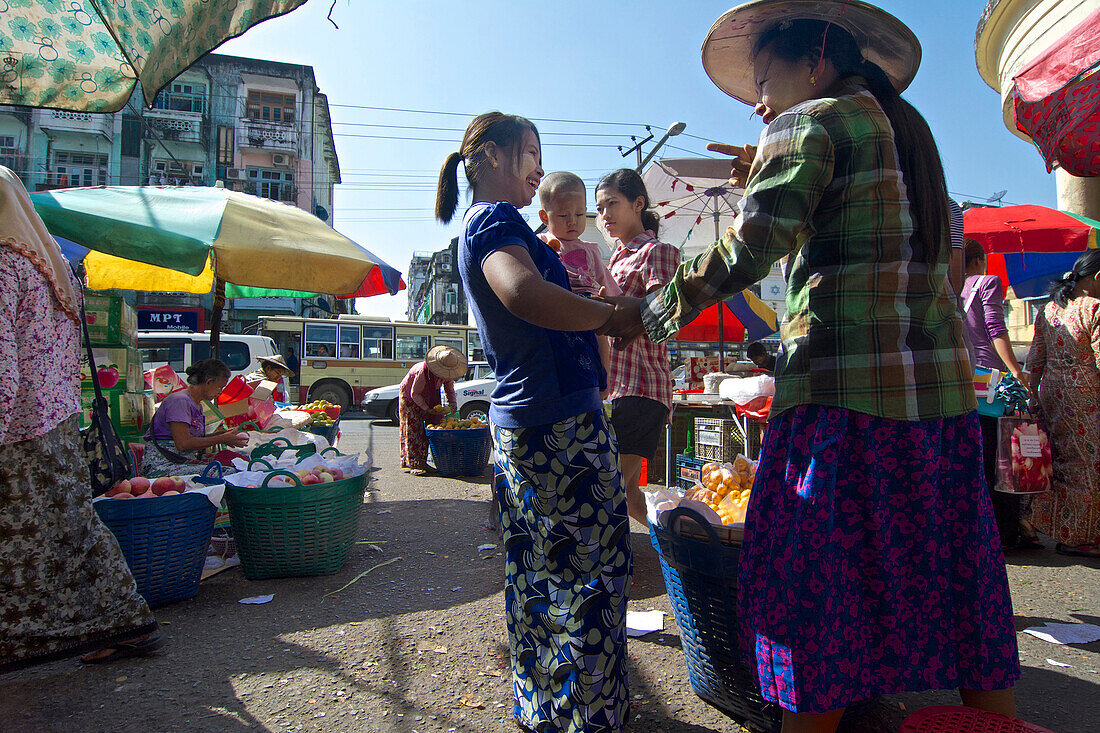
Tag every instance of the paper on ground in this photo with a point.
(256, 600)
(640, 623)
(1053, 663)
(1066, 633)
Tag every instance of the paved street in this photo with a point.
(419, 644)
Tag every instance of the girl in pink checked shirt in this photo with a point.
(640, 378)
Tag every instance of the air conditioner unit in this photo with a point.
(160, 166)
(281, 161)
(234, 174)
(198, 170)
(175, 166)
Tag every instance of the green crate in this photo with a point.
(294, 531)
(112, 322)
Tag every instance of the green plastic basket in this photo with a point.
(295, 531)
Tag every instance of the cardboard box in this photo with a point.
(112, 322)
(264, 390)
(119, 368)
(126, 409)
(698, 366)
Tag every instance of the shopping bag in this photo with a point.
(163, 381)
(1024, 463)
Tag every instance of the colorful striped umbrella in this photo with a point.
(744, 317)
(1029, 246)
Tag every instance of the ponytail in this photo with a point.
(1087, 265)
(918, 159)
(446, 195)
(629, 183)
(506, 131)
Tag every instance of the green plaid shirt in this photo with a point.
(870, 326)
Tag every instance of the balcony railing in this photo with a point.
(93, 124)
(268, 135)
(172, 125)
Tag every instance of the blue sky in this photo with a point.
(621, 65)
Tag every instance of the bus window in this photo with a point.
(349, 342)
(320, 339)
(234, 353)
(157, 353)
(411, 347)
(474, 352)
(453, 343)
(377, 343)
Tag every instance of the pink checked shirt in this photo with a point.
(642, 369)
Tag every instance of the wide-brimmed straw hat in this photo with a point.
(883, 39)
(446, 362)
(278, 361)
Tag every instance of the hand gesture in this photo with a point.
(625, 323)
(743, 156)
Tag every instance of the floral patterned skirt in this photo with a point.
(414, 441)
(871, 562)
(568, 563)
(64, 585)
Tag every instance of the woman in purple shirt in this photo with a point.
(983, 312)
(177, 432)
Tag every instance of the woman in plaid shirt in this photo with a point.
(871, 562)
(640, 378)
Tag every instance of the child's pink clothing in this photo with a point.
(587, 272)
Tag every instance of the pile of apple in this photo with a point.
(319, 475)
(140, 487)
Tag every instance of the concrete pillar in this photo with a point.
(1078, 195)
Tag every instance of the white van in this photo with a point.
(181, 349)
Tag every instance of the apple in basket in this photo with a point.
(301, 473)
(140, 484)
(147, 495)
(162, 484)
(337, 474)
(181, 485)
(123, 495)
(173, 492)
(122, 487)
(310, 479)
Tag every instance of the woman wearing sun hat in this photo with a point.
(871, 562)
(272, 369)
(419, 397)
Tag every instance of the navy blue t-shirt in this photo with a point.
(543, 376)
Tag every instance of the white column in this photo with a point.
(1078, 195)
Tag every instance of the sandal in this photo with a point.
(128, 649)
(1078, 550)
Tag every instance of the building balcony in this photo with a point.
(268, 135)
(56, 120)
(184, 127)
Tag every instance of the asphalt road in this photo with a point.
(419, 644)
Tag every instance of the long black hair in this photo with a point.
(1086, 265)
(506, 131)
(918, 156)
(627, 182)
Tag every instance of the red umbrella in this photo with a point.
(1029, 246)
(1057, 100)
(705, 327)
(1029, 228)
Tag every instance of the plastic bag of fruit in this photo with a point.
(1024, 463)
(725, 488)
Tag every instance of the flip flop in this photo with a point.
(1079, 551)
(129, 649)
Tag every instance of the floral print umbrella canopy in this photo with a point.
(86, 55)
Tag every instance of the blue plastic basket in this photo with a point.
(463, 452)
(688, 470)
(701, 578)
(328, 432)
(164, 541)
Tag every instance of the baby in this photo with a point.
(564, 211)
(562, 197)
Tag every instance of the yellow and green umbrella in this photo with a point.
(185, 239)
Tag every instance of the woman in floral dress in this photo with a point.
(64, 585)
(1065, 362)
